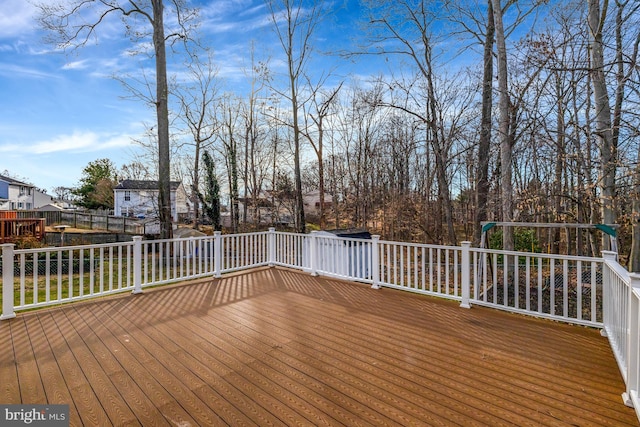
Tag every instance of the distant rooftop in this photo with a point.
(14, 181)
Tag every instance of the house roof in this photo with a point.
(14, 181)
(132, 184)
(355, 233)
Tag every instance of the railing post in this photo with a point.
(7, 282)
(466, 274)
(609, 257)
(375, 261)
(313, 243)
(633, 376)
(217, 254)
(271, 246)
(137, 264)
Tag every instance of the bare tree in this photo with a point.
(484, 144)
(198, 99)
(603, 131)
(255, 160)
(404, 28)
(72, 24)
(295, 22)
(229, 134)
(322, 104)
(506, 188)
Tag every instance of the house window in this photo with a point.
(127, 196)
(20, 205)
(28, 206)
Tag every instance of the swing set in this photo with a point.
(607, 229)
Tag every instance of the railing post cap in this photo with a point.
(217, 233)
(635, 277)
(609, 255)
(466, 243)
(272, 229)
(137, 238)
(375, 237)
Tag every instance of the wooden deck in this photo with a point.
(277, 347)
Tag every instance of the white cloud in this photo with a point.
(78, 142)
(16, 18)
(76, 65)
(12, 70)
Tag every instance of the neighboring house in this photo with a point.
(50, 207)
(262, 209)
(311, 201)
(139, 199)
(17, 195)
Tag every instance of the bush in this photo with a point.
(525, 240)
(28, 242)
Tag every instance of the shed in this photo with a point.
(185, 232)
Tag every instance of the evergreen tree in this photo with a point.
(95, 190)
(210, 200)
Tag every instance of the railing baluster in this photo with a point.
(23, 281)
(7, 282)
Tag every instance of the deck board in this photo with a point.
(277, 347)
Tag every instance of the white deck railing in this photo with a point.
(622, 324)
(595, 292)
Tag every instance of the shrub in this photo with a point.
(525, 240)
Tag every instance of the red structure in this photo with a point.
(12, 228)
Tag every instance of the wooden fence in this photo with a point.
(90, 221)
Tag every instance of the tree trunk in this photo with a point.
(506, 187)
(196, 187)
(634, 256)
(299, 211)
(484, 145)
(559, 166)
(162, 111)
(603, 130)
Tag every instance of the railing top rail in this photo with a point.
(252, 233)
(537, 255)
(70, 248)
(619, 270)
(287, 233)
(420, 245)
(346, 239)
(182, 239)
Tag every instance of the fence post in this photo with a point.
(7, 282)
(375, 261)
(466, 274)
(271, 246)
(633, 376)
(137, 264)
(608, 257)
(313, 243)
(217, 254)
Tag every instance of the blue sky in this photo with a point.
(59, 111)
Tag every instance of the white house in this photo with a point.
(311, 201)
(17, 195)
(133, 198)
